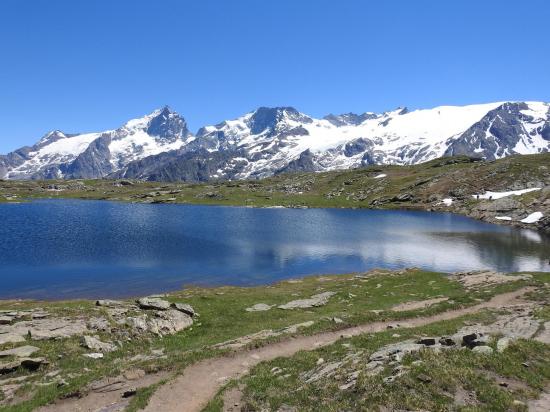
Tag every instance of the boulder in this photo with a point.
(185, 308)
(11, 338)
(169, 322)
(486, 350)
(259, 307)
(93, 343)
(109, 303)
(153, 303)
(20, 352)
(314, 301)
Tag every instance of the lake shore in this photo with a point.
(511, 191)
(132, 347)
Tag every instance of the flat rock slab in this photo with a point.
(93, 343)
(42, 329)
(482, 278)
(419, 304)
(259, 307)
(10, 337)
(20, 352)
(544, 335)
(153, 303)
(314, 301)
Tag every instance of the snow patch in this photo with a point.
(380, 176)
(533, 218)
(503, 218)
(500, 195)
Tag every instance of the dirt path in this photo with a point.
(200, 382)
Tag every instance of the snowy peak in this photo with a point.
(269, 120)
(272, 140)
(350, 119)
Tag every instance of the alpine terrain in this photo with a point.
(269, 141)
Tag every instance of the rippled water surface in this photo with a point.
(66, 248)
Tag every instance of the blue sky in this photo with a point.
(91, 65)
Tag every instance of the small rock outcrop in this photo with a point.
(153, 303)
(314, 301)
(93, 343)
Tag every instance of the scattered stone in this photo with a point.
(94, 355)
(483, 278)
(502, 344)
(259, 307)
(169, 322)
(33, 363)
(109, 303)
(426, 341)
(315, 301)
(185, 308)
(421, 304)
(424, 378)
(129, 393)
(320, 361)
(263, 334)
(99, 324)
(8, 367)
(486, 350)
(11, 338)
(544, 335)
(20, 352)
(93, 343)
(5, 320)
(153, 303)
(134, 374)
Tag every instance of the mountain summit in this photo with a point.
(269, 141)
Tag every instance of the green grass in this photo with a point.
(223, 317)
(448, 370)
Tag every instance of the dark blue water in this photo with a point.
(66, 249)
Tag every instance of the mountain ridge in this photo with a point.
(272, 140)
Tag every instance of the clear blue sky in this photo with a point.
(91, 65)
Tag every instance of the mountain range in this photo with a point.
(269, 141)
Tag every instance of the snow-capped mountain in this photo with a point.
(93, 155)
(269, 141)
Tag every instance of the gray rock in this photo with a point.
(5, 320)
(153, 303)
(20, 351)
(486, 350)
(185, 308)
(259, 307)
(314, 301)
(11, 338)
(99, 324)
(93, 343)
(503, 343)
(109, 303)
(169, 322)
(95, 355)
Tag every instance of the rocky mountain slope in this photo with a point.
(269, 141)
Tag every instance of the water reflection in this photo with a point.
(73, 248)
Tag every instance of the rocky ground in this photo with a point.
(385, 330)
(456, 184)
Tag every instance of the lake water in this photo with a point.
(70, 248)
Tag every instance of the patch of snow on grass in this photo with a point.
(380, 176)
(499, 195)
(503, 218)
(446, 202)
(533, 218)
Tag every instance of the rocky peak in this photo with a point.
(347, 119)
(265, 118)
(167, 124)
